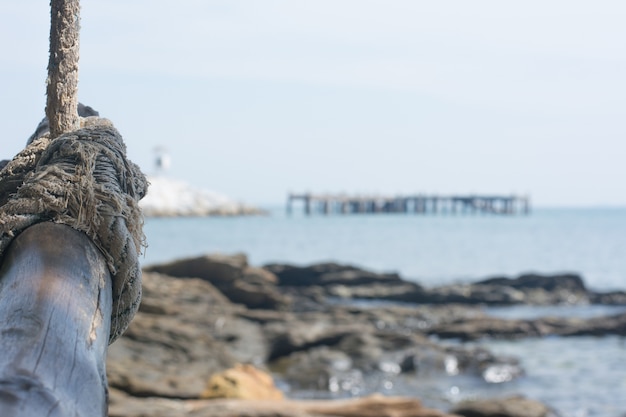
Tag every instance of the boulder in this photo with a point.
(244, 382)
(217, 269)
(252, 287)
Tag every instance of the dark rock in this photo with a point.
(252, 287)
(571, 282)
(324, 274)
(473, 329)
(473, 294)
(316, 281)
(608, 298)
(596, 326)
(317, 368)
(216, 269)
(491, 327)
(297, 336)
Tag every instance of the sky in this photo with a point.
(255, 99)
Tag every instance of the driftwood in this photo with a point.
(55, 304)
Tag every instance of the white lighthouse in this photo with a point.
(162, 160)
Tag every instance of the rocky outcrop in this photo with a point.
(200, 318)
(351, 282)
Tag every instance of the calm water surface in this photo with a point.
(428, 249)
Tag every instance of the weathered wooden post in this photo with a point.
(70, 234)
(55, 304)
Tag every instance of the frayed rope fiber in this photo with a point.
(84, 180)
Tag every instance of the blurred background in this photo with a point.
(255, 99)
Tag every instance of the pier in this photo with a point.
(418, 204)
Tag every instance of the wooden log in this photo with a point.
(55, 304)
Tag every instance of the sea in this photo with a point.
(577, 377)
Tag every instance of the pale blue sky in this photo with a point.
(257, 98)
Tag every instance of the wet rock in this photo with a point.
(506, 407)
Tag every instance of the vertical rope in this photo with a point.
(62, 82)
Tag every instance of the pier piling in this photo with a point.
(327, 204)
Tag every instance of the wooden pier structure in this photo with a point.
(418, 204)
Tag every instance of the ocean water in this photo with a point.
(428, 249)
(578, 377)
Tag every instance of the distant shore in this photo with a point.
(168, 197)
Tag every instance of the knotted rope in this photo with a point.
(84, 180)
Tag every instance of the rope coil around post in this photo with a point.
(84, 180)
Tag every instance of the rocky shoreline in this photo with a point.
(329, 336)
(168, 197)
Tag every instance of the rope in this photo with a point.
(84, 180)
(62, 82)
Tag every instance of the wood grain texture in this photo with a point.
(55, 304)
